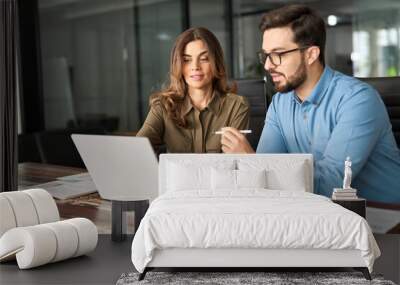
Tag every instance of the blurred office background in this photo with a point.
(91, 65)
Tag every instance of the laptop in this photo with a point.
(123, 168)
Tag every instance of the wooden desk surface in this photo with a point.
(89, 206)
(32, 173)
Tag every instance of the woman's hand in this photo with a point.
(233, 141)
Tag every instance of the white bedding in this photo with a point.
(251, 218)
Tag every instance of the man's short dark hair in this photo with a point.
(308, 27)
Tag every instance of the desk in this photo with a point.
(89, 206)
(115, 217)
(32, 173)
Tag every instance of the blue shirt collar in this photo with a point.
(319, 89)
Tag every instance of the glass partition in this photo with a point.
(158, 24)
(88, 59)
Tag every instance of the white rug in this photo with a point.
(230, 278)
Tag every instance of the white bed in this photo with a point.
(201, 219)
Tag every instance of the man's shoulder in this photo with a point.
(347, 85)
(350, 91)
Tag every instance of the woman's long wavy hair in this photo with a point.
(172, 96)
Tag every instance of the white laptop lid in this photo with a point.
(123, 168)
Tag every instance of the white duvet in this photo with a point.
(250, 219)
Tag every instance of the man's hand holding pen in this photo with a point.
(234, 140)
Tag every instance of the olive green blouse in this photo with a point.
(229, 110)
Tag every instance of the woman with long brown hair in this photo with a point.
(198, 101)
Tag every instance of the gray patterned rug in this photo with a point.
(230, 278)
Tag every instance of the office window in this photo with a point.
(376, 38)
(362, 35)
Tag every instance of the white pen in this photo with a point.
(241, 131)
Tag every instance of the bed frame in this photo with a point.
(242, 259)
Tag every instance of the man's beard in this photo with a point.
(293, 81)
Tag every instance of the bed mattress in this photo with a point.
(251, 219)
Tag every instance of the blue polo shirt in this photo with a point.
(342, 117)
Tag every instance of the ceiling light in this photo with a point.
(332, 20)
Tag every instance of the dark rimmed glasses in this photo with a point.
(276, 57)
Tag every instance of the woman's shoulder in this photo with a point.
(234, 98)
(156, 107)
(156, 101)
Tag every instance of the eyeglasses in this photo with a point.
(275, 57)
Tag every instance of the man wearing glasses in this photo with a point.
(321, 111)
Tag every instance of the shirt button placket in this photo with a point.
(305, 118)
(304, 109)
(198, 141)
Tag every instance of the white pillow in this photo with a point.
(293, 178)
(223, 179)
(237, 179)
(185, 175)
(251, 178)
(282, 174)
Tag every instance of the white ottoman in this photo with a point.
(31, 232)
(40, 244)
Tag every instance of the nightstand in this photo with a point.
(356, 205)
